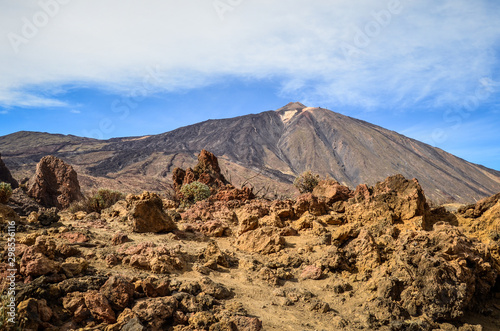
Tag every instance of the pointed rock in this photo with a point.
(55, 183)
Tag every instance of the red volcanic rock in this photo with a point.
(75, 237)
(75, 303)
(231, 193)
(34, 263)
(208, 172)
(118, 291)
(5, 175)
(119, 238)
(332, 191)
(55, 183)
(99, 307)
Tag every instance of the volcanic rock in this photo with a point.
(8, 215)
(262, 240)
(208, 172)
(479, 208)
(99, 307)
(332, 191)
(34, 263)
(118, 291)
(55, 184)
(22, 203)
(147, 214)
(155, 312)
(394, 200)
(5, 175)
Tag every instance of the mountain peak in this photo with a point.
(292, 106)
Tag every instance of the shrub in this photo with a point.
(5, 192)
(306, 182)
(103, 199)
(194, 192)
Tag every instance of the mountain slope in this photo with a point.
(271, 147)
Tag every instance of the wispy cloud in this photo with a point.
(424, 53)
(27, 99)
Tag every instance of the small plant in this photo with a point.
(103, 199)
(5, 192)
(194, 192)
(306, 182)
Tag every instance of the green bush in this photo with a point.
(5, 192)
(103, 199)
(306, 182)
(194, 192)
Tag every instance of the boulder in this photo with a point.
(118, 291)
(439, 274)
(262, 240)
(5, 175)
(55, 183)
(147, 215)
(214, 289)
(153, 287)
(311, 272)
(74, 302)
(394, 200)
(155, 312)
(405, 197)
(99, 307)
(247, 323)
(332, 191)
(311, 203)
(34, 263)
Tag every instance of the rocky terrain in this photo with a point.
(376, 257)
(266, 150)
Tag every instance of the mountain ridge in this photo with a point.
(272, 147)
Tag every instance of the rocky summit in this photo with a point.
(373, 257)
(265, 151)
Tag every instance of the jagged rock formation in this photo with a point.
(208, 172)
(55, 183)
(5, 175)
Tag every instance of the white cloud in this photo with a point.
(428, 50)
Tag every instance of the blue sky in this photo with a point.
(427, 69)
